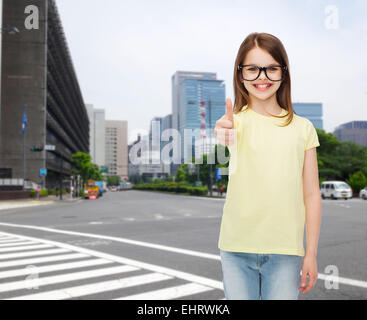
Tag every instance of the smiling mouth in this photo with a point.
(262, 86)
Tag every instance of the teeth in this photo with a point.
(262, 85)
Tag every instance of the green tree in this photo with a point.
(181, 173)
(357, 181)
(83, 166)
(82, 163)
(113, 180)
(95, 173)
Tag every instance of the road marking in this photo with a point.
(138, 264)
(117, 239)
(169, 293)
(20, 243)
(31, 253)
(158, 216)
(17, 285)
(178, 274)
(11, 240)
(351, 282)
(42, 260)
(94, 288)
(29, 247)
(55, 267)
(158, 274)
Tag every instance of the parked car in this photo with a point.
(363, 193)
(336, 190)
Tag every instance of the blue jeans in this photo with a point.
(252, 276)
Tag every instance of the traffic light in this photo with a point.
(36, 149)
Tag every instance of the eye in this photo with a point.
(273, 68)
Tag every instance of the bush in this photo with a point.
(81, 193)
(169, 186)
(43, 193)
(32, 193)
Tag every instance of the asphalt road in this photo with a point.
(139, 245)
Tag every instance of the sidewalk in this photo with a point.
(31, 202)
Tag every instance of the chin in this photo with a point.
(264, 96)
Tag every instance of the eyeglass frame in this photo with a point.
(239, 68)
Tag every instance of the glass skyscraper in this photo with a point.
(311, 111)
(198, 101)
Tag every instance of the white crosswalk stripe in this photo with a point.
(93, 288)
(56, 267)
(68, 261)
(29, 247)
(9, 240)
(19, 243)
(31, 253)
(20, 262)
(169, 293)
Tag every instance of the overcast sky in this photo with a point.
(125, 51)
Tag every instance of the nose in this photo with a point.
(262, 72)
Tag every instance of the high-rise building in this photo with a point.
(116, 148)
(353, 131)
(38, 77)
(311, 111)
(198, 101)
(96, 134)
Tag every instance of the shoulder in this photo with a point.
(302, 121)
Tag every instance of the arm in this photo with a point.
(312, 200)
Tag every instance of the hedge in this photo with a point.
(177, 187)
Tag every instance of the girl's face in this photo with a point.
(261, 58)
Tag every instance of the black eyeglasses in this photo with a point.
(251, 72)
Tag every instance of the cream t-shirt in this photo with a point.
(264, 210)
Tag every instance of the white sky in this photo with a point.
(125, 51)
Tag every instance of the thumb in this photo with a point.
(229, 109)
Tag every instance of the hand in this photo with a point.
(224, 126)
(309, 269)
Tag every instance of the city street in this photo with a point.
(148, 245)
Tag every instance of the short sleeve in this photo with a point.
(312, 140)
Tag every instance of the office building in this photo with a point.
(38, 77)
(116, 148)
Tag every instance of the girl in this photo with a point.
(274, 189)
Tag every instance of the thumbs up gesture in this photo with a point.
(224, 127)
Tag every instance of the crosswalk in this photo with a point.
(38, 269)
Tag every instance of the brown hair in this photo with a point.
(275, 48)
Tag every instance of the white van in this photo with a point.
(363, 193)
(336, 190)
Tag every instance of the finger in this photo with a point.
(229, 109)
(225, 136)
(225, 123)
(303, 280)
(308, 288)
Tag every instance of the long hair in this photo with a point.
(275, 48)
